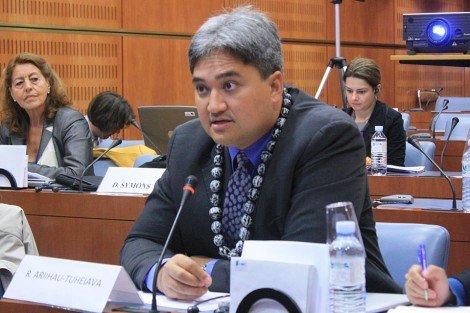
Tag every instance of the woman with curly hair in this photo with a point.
(36, 112)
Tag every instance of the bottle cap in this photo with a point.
(379, 128)
(345, 227)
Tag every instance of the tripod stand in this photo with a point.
(338, 61)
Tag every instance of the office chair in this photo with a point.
(144, 158)
(445, 117)
(406, 121)
(456, 104)
(399, 243)
(103, 164)
(460, 131)
(413, 157)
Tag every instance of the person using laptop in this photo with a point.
(268, 159)
(107, 114)
(432, 287)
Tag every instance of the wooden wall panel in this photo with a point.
(382, 57)
(411, 77)
(70, 13)
(304, 65)
(467, 82)
(156, 72)
(88, 64)
(366, 22)
(299, 19)
(423, 6)
(168, 15)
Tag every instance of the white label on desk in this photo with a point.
(130, 180)
(71, 284)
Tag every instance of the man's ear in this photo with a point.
(276, 82)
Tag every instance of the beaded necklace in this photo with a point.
(215, 211)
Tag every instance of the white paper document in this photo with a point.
(13, 159)
(416, 309)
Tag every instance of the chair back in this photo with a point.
(440, 123)
(460, 131)
(456, 104)
(144, 158)
(399, 244)
(406, 121)
(414, 157)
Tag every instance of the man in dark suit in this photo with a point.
(432, 287)
(302, 155)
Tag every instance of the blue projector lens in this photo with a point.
(438, 32)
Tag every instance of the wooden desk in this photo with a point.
(86, 227)
(456, 223)
(452, 155)
(421, 120)
(417, 186)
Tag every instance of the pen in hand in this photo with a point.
(423, 263)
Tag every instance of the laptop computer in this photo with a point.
(158, 123)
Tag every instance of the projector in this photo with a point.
(437, 32)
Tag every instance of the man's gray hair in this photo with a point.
(244, 33)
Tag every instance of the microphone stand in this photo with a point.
(455, 121)
(338, 61)
(115, 143)
(188, 189)
(445, 106)
(416, 144)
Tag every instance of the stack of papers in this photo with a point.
(35, 179)
(416, 309)
(405, 169)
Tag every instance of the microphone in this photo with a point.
(188, 190)
(445, 106)
(416, 144)
(116, 142)
(455, 121)
(136, 125)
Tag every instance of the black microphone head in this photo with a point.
(116, 142)
(191, 181)
(455, 120)
(445, 104)
(412, 141)
(135, 124)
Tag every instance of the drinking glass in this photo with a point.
(340, 211)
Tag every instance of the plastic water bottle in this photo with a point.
(378, 152)
(347, 271)
(466, 179)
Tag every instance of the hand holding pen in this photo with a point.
(424, 265)
(433, 280)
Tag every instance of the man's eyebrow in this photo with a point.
(218, 77)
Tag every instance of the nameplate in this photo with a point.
(69, 284)
(130, 180)
(14, 161)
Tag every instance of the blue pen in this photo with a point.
(423, 262)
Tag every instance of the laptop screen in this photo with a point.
(158, 123)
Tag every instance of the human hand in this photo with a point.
(183, 278)
(433, 279)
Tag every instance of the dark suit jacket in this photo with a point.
(464, 278)
(392, 123)
(72, 142)
(319, 159)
